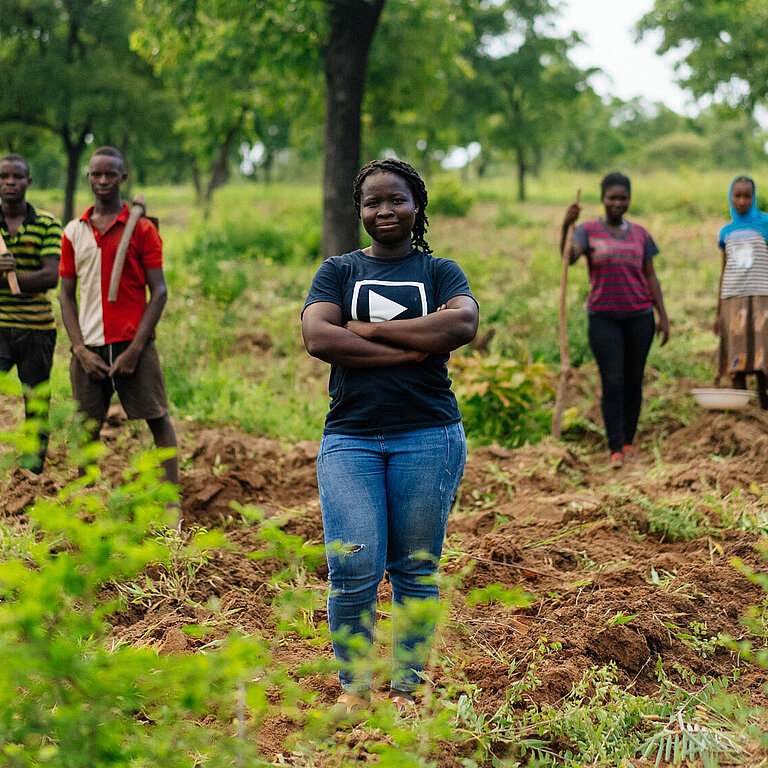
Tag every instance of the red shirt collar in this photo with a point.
(121, 217)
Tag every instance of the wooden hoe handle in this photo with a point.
(138, 209)
(13, 282)
(565, 356)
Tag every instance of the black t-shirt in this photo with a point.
(365, 401)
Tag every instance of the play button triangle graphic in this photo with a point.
(381, 308)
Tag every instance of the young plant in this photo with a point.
(504, 400)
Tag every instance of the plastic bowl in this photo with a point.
(715, 399)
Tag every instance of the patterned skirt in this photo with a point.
(744, 335)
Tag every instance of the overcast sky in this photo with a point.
(631, 69)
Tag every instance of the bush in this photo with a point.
(678, 148)
(72, 699)
(503, 400)
(448, 197)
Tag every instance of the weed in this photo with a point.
(621, 618)
(661, 578)
(503, 399)
(697, 637)
(498, 593)
(739, 509)
(70, 698)
(674, 519)
(173, 579)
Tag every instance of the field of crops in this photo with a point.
(591, 617)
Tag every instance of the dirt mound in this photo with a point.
(230, 466)
(737, 433)
(23, 488)
(551, 520)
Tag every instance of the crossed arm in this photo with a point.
(376, 345)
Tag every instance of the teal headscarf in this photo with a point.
(752, 219)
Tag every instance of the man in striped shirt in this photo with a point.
(27, 327)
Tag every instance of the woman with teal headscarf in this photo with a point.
(742, 307)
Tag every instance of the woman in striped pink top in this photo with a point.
(624, 290)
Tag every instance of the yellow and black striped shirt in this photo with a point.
(38, 238)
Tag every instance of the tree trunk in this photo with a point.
(521, 169)
(220, 164)
(353, 24)
(197, 181)
(134, 171)
(74, 149)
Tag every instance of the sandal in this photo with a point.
(350, 702)
(403, 701)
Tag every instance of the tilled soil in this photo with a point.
(552, 519)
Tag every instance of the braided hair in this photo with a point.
(615, 179)
(415, 184)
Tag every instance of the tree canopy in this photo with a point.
(722, 44)
(66, 68)
(184, 87)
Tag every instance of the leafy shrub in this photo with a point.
(72, 699)
(448, 197)
(283, 239)
(221, 280)
(675, 519)
(512, 216)
(504, 400)
(678, 148)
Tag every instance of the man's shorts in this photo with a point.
(30, 350)
(142, 394)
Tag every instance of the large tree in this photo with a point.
(66, 67)
(723, 46)
(232, 61)
(352, 26)
(237, 69)
(524, 82)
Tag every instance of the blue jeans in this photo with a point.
(385, 501)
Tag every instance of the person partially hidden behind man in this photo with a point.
(113, 347)
(27, 327)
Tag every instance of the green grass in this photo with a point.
(245, 270)
(231, 345)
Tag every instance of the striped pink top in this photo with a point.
(617, 280)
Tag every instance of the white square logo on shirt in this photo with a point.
(376, 301)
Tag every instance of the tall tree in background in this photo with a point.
(389, 69)
(236, 68)
(724, 46)
(520, 83)
(531, 86)
(233, 61)
(416, 62)
(66, 67)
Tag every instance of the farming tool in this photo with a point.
(13, 282)
(565, 355)
(138, 209)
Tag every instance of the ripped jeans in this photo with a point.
(385, 501)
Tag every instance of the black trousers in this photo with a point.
(620, 342)
(31, 352)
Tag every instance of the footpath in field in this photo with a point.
(632, 568)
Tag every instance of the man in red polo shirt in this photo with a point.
(113, 347)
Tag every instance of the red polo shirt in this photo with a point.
(88, 255)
